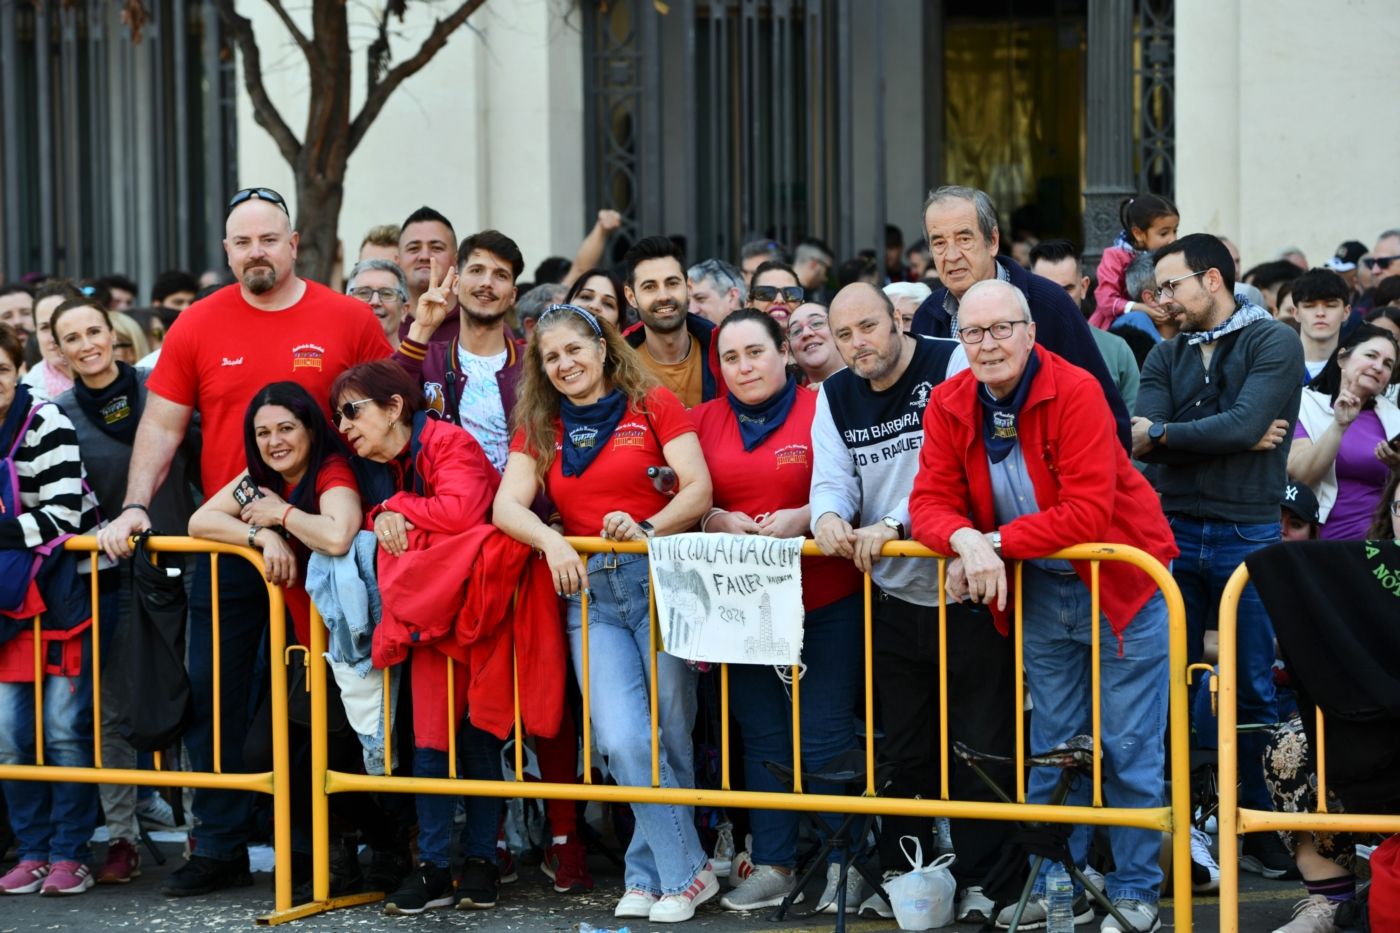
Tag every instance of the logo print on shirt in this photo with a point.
(1003, 425)
(792, 455)
(584, 437)
(630, 434)
(229, 362)
(921, 393)
(307, 356)
(434, 398)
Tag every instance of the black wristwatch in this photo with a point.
(1157, 432)
(647, 528)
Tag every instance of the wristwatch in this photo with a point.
(894, 525)
(995, 540)
(647, 528)
(1157, 433)
(253, 530)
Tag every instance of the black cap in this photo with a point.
(1299, 500)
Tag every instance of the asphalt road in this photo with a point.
(528, 906)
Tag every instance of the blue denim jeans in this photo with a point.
(1133, 706)
(665, 853)
(1210, 552)
(222, 816)
(52, 820)
(479, 759)
(832, 649)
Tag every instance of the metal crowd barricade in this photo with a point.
(275, 783)
(1173, 818)
(1234, 820)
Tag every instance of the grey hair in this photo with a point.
(723, 275)
(1011, 291)
(379, 265)
(1140, 276)
(809, 251)
(986, 210)
(763, 247)
(917, 290)
(1387, 234)
(532, 304)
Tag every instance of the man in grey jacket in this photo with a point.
(1215, 415)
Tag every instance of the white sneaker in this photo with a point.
(635, 904)
(1095, 878)
(155, 811)
(877, 906)
(1313, 914)
(1205, 873)
(740, 867)
(974, 906)
(677, 908)
(724, 849)
(766, 886)
(855, 886)
(1143, 917)
(945, 836)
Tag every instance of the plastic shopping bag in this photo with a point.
(922, 898)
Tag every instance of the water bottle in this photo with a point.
(1059, 893)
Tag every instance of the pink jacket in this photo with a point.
(1111, 295)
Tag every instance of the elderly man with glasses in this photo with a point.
(1019, 461)
(382, 285)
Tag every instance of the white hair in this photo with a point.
(898, 290)
(1011, 292)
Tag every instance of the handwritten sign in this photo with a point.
(729, 598)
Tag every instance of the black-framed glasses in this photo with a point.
(1168, 288)
(262, 194)
(386, 295)
(1379, 262)
(349, 411)
(792, 293)
(999, 331)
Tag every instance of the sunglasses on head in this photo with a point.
(262, 194)
(793, 293)
(1379, 262)
(349, 411)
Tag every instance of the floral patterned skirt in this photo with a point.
(1290, 773)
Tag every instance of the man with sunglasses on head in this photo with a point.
(1215, 414)
(270, 325)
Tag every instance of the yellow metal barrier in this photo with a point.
(1173, 818)
(275, 783)
(1234, 820)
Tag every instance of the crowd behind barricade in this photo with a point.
(410, 454)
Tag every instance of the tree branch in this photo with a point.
(379, 94)
(264, 110)
(309, 50)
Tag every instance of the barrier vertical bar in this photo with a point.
(796, 729)
(943, 744)
(1020, 672)
(586, 689)
(218, 673)
(519, 732)
(655, 725)
(388, 723)
(451, 720)
(320, 801)
(1321, 765)
(38, 690)
(1227, 816)
(1095, 681)
(1179, 734)
(724, 726)
(96, 666)
(281, 754)
(869, 696)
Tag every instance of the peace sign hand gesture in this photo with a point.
(434, 303)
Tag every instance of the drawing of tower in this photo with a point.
(765, 645)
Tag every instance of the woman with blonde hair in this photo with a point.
(593, 429)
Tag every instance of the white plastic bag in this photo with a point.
(922, 898)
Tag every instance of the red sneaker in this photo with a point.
(567, 864)
(66, 878)
(123, 863)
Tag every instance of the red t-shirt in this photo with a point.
(617, 478)
(334, 472)
(222, 350)
(777, 474)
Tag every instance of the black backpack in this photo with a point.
(150, 659)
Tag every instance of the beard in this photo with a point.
(482, 317)
(259, 279)
(670, 326)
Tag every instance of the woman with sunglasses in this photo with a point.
(434, 478)
(105, 405)
(776, 291)
(759, 441)
(600, 292)
(1341, 444)
(591, 423)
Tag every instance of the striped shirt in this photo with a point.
(51, 485)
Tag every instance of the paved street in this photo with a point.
(528, 905)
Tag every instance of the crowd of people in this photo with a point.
(434, 432)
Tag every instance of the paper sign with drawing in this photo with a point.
(729, 598)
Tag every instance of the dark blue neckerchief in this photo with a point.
(756, 422)
(14, 418)
(587, 429)
(999, 415)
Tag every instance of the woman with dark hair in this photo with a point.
(758, 440)
(1385, 524)
(435, 479)
(1341, 445)
(52, 821)
(600, 292)
(1387, 317)
(105, 405)
(590, 424)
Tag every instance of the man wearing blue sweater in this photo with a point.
(961, 225)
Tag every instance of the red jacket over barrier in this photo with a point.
(1085, 486)
(451, 592)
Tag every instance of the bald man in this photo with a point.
(269, 326)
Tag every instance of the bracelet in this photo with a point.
(136, 505)
(709, 515)
(285, 512)
(253, 530)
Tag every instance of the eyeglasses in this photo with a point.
(262, 194)
(793, 293)
(999, 331)
(1168, 288)
(386, 295)
(816, 325)
(349, 411)
(1379, 262)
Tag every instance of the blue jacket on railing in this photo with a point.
(345, 591)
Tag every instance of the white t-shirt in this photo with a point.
(481, 411)
(1314, 367)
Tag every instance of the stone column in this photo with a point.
(1108, 168)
